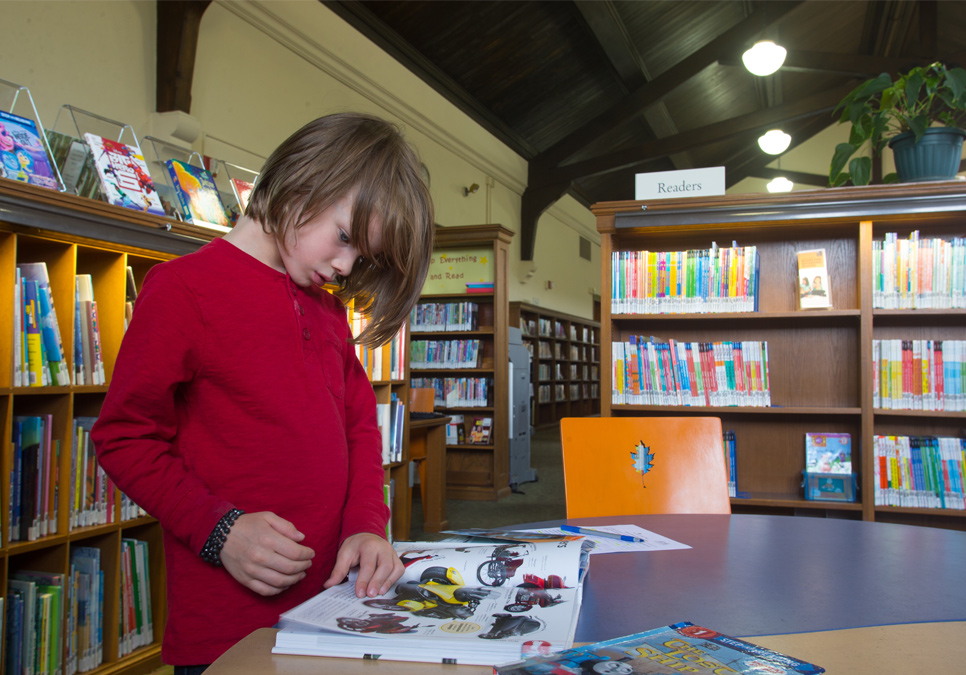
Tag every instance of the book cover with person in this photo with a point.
(828, 453)
(680, 647)
(198, 195)
(124, 176)
(813, 281)
(475, 602)
(22, 154)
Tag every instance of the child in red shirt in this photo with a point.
(238, 414)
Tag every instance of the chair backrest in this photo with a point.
(620, 466)
(422, 399)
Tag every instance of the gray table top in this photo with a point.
(761, 575)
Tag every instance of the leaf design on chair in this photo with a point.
(643, 460)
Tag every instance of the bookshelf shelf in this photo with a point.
(820, 362)
(558, 343)
(75, 235)
(476, 472)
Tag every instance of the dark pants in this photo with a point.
(190, 670)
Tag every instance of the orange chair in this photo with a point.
(620, 466)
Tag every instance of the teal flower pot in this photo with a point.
(935, 156)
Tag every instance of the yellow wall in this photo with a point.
(265, 68)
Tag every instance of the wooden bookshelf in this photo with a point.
(820, 361)
(565, 372)
(478, 471)
(77, 235)
(74, 235)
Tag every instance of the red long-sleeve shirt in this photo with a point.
(235, 388)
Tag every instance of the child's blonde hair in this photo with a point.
(324, 161)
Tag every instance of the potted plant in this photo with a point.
(919, 115)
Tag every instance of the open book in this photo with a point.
(467, 602)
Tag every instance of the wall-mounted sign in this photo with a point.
(452, 269)
(686, 183)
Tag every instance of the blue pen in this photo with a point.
(586, 531)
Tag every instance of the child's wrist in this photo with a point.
(211, 551)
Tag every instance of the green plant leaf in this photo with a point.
(956, 81)
(891, 178)
(918, 125)
(843, 151)
(861, 170)
(838, 180)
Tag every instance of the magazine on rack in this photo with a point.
(468, 602)
(678, 648)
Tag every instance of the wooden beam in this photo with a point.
(535, 202)
(807, 107)
(177, 44)
(654, 91)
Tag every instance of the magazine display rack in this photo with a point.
(234, 184)
(820, 361)
(159, 152)
(16, 99)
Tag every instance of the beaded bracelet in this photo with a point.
(211, 553)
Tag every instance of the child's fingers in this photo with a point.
(283, 526)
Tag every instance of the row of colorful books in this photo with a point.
(137, 623)
(480, 430)
(696, 281)
(918, 273)
(445, 316)
(919, 374)
(35, 484)
(730, 445)
(458, 392)
(39, 358)
(444, 354)
(920, 472)
(54, 622)
(122, 175)
(649, 371)
(391, 419)
(373, 360)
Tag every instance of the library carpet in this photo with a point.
(540, 500)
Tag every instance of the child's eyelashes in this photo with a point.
(343, 237)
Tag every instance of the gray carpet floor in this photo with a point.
(542, 499)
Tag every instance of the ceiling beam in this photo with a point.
(797, 177)
(811, 105)
(654, 91)
(178, 22)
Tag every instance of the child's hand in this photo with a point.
(262, 553)
(379, 564)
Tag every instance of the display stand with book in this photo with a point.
(887, 252)
(115, 154)
(187, 185)
(24, 148)
(235, 184)
(474, 601)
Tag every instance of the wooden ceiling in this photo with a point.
(591, 92)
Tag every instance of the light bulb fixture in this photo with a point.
(467, 191)
(764, 58)
(780, 184)
(774, 142)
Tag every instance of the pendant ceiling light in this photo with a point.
(780, 184)
(764, 58)
(775, 142)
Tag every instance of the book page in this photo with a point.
(528, 592)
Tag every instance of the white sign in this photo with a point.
(688, 183)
